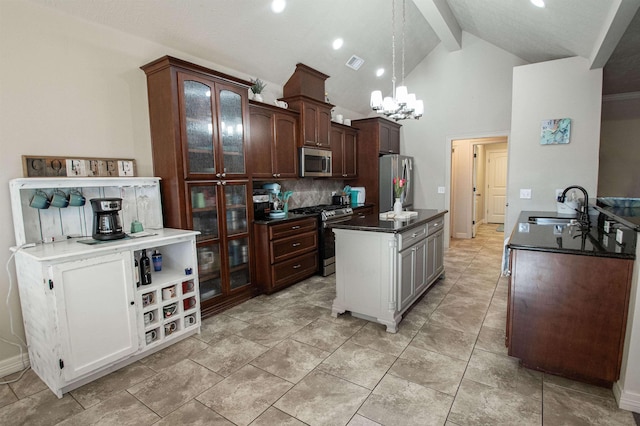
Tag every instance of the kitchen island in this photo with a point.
(568, 296)
(384, 266)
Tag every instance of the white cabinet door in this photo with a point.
(96, 312)
(420, 274)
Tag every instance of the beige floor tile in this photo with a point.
(375, 336)
(121, 409)
(290, 360)
(229, 355)
(550, 379)
(273, 416)
(445, 341)
(105, 387)
(301, 313)
(497, 314)
(269, 330)
(250, 310)
(244, 395)
(396, 401)
(429, 369)
(194, 413)
(173, 354)
(326, 335)
(504, 372)
(568, 407)
(492, 340)
(7, 396)
(357, 364)
(219, 326)
(323, 399)
(28, 384)
(478, 404)
(41, 409)
(174, 386)
(359, 420)
(457, 317)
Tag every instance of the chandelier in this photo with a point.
(401, 104)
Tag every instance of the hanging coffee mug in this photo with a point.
(76, 199)
(59, 199)
(40, 200)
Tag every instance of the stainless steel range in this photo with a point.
(327, 214)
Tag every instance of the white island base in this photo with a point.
(379, 275)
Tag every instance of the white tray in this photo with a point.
(400, 216)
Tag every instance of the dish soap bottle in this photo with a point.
(145, 269)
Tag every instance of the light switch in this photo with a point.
(525, 193)
(441, 190)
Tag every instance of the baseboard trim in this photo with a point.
(626, 400)
(13, 364)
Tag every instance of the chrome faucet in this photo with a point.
(583, 218)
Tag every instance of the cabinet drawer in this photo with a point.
(408, 238)
(293, 270)
(294, 227)
(435, 225)
(286, 248)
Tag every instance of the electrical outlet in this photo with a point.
(441, 190)
(525, 193)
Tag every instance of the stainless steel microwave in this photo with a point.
(315, 162)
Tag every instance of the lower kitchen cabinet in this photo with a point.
(567, 313)
(84, 314)
(286, 252)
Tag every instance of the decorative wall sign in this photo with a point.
(44, 166)
(555, 131)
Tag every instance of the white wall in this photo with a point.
(467, 94)
(70, 87)
(565, 88)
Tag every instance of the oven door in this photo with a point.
(328, 246)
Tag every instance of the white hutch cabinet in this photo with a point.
(83, 313)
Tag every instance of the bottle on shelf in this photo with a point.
(136, 271)
(145, 269)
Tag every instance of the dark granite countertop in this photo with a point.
(375, 224)
(570, 239)
(629, 216)
(290, 216)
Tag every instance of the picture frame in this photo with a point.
(555, 131)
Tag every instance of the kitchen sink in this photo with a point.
(551, 220)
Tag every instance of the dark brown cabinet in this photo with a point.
(344, 150)
(376, 136)
(315, 121)
(198, 128)
(567, 313)
(288, 253)
(273, 142)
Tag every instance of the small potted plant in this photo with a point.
(257, 88)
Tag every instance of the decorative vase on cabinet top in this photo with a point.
(397, 206)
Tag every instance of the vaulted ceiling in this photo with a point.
(246, 35)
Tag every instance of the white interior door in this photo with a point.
(496, 185)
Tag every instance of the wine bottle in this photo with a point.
(145, 269)
(136, 271)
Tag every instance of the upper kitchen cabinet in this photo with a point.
(273, 142)
(344, 150)
(376, 136)
(201, 111)
(305, 93)
(315, 121)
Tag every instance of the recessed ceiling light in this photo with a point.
(337, 43)
(537, 3)
(379, 72)
(278, 6)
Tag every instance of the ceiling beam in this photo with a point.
(621, 14)
(444, 23)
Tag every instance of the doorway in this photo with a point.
(478, 184)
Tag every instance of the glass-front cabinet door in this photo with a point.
(231, 130)
(197, 110)
(204, 210)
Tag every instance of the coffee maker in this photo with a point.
(107, 224)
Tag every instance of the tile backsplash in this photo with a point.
(308, 192)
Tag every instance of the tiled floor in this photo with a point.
(283, 360)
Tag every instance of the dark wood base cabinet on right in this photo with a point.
(567, 313)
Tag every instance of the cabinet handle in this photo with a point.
(415, 234)
(295, 244)
(224, 182)
(295, 227)
(217, 174)
(224, 175)
(132, 303)
(297, 266)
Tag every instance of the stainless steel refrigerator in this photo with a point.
(391, 166)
